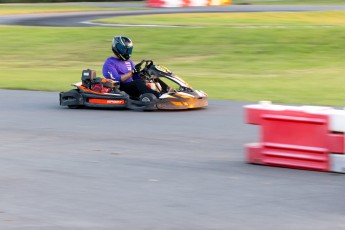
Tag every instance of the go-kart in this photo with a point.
(93, 91)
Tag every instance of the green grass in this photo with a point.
(6, 9)
(333, 18)
(294, 64)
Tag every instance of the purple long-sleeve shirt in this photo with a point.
(113, 68)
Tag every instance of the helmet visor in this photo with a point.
(124, 51)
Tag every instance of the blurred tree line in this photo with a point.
(46, 1)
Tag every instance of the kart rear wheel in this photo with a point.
(73, 106)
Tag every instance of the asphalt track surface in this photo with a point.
(105, 169)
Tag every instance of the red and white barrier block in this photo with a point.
(186, 3)
(303, 137)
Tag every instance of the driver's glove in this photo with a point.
(135, 72)
(137, 67)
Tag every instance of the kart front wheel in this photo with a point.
(147, 97)
(149, 101)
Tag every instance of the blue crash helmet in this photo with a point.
(122, 47)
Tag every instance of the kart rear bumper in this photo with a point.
(71, 98)
(75, 98)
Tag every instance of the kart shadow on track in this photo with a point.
(102, 93)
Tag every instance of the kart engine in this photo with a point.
(97, 84)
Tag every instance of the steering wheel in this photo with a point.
(143, 65)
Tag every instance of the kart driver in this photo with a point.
(121, 68)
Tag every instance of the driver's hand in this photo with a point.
(137, 67)
(135, 71)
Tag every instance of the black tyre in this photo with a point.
(74, 106)
(149, 101)
(147, 98)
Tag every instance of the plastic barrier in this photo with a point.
(186, 3)
(303, 137)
